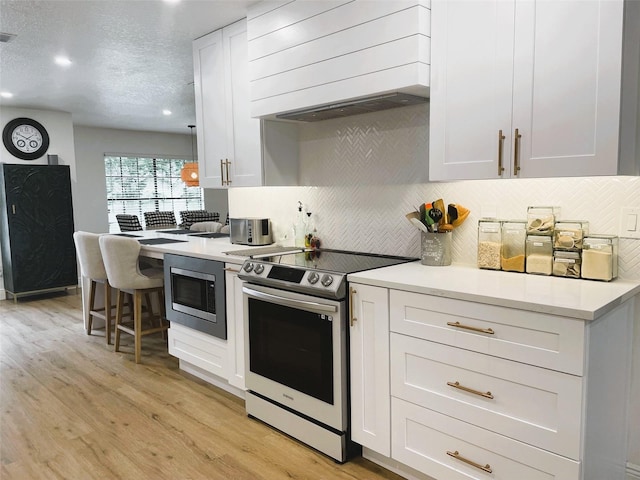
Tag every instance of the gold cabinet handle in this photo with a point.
(457, 456)
(501, 138)
(470, 390)
(352, 319)
(227, 163)
(221, 171)
(516, 152)
(469, 327)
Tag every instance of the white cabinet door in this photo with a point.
(472, 62)
(211, 123)
(369, 342)
(525, 88)
(235, 326)
(243, 132)
(566, 87)
(229, 151)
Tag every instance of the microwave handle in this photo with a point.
(191, 273)
(287, 302)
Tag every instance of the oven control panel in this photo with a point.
(313, 281)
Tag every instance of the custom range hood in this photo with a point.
(358, 106)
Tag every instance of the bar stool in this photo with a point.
(92, 267)
(120, 256)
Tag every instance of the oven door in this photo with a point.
(295, 352)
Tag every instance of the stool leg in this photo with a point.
(119, 306)
(147, 299)
(137, 323)
(163, 313)
(107, 311)
(92, 305)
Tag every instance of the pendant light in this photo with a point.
(189, 173)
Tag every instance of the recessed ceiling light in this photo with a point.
(62, 61)
(166, 112)
(6, 94)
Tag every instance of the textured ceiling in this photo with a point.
(131, 58)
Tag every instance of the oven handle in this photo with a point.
(287, 302)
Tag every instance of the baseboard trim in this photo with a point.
(633, 471)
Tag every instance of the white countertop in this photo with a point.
(584, 299)
(207, 248)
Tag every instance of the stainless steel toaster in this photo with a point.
(250, 231)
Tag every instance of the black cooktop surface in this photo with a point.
(338, 261)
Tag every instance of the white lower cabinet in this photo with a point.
(531, 404)
(235, 326)
(448, 449)
(466, 390)
(204, 351)
(369, 351)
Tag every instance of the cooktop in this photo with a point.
(321, 272)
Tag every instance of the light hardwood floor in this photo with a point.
(71, 408)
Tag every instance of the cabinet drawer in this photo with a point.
(421, 439)
(540, 339)
(531, 404)
(199, 349)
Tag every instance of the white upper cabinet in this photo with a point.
(228, 138)
(308, 53)
(527, 88)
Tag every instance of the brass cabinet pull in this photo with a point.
(468, 327)
(352, 319)
(516, 152)
(227, 163)
(457, 456)
(221, 172)
(501, 138)
(470, 390)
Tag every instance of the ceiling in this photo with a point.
(131, 59)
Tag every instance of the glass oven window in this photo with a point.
(189, 291)
(292, 347)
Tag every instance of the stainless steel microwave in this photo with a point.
(195, 293)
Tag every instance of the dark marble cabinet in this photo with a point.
(36, 228)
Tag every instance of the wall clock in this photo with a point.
(25, 138)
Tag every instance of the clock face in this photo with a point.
(25, 138)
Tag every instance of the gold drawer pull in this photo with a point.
(468, 327)
(470, 390)
(457, 456)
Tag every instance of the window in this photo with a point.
(139, 184)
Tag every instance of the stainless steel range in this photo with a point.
(296, 343)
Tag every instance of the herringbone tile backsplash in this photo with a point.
(368, 171)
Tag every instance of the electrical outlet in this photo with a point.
(629, 223)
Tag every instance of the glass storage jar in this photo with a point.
(566, 264)
(489, 238)
(539, 254)
(600, 257)
(514, 236)
(568, 234)
(540, 220)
